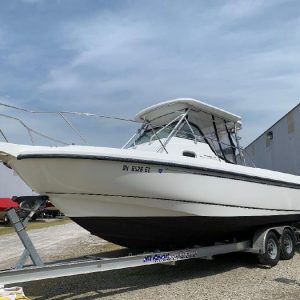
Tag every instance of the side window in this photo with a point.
(186, 132)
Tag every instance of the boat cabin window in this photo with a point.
(189, 154)
(184, 132)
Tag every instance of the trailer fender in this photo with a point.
(259, 238)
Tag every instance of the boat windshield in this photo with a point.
(164, 132)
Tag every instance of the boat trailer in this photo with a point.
(91, 264)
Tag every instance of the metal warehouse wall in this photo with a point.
(11, 184)
(278, 148)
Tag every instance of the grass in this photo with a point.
(6, 229)
(110, 247)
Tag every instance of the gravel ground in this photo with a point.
(233, 276)
(55, 242)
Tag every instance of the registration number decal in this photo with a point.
(137, 169)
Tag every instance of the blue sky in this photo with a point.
(117, 57)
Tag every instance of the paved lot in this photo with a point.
(234, 276)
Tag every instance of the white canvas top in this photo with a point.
(162, 111)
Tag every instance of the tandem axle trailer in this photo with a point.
(270, 244)
(86, 266)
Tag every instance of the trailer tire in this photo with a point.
(272, 250)
(287, 244)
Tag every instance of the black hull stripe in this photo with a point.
(174, 200)
(197, 170)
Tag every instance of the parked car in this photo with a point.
(51, 211)
(6, 204)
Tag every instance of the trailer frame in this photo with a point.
(91, 264)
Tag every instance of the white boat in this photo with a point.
(175, 183)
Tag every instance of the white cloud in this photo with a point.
(246, 8)
(61, 79)
(241, 8)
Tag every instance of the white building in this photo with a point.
(278, 148)
(11, 184)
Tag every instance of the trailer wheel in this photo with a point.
(272, 253)
(287, 247)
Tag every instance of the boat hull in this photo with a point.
(143, 203)
(106, 187)
(154, 233)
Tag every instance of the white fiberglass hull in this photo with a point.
(137, 199)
